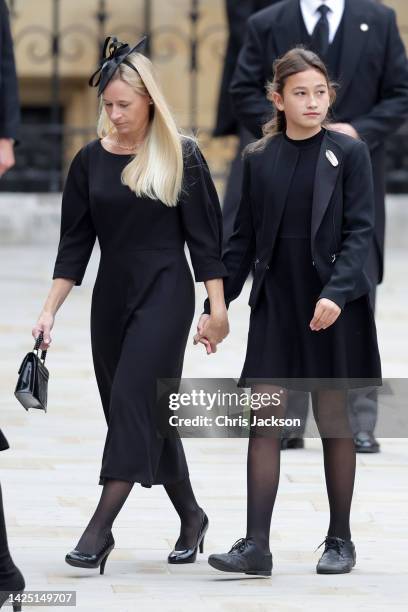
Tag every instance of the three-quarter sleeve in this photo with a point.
(201, 217)
(77, 235)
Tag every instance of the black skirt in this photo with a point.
(282, 349)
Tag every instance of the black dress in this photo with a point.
(143, 298)
(281, 345)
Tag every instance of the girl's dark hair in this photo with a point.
(294, 61)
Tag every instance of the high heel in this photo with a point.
(92, 561)
(103, 563)
(5, 594)
(189, 555)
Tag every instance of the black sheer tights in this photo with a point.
(263, 466)
(114, 495)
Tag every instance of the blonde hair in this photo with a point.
(157, 170)
(294, 61)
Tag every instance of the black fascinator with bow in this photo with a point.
(114, 53)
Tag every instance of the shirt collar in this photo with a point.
(312, 5)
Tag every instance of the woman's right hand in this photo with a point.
(211, 330)
(44, 324)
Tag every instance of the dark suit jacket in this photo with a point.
(9, 102)
(373, 78)
(342, 217)
(238, 12)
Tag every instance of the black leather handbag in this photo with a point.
(32, 384)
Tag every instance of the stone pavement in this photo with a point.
(49, 476)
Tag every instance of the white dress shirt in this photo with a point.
(311, 15)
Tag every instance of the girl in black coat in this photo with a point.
(144, 191)
(305, 221)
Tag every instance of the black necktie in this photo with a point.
(320, 36)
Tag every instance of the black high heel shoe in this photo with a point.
(92, 561)
(14, 585)
(189, 555)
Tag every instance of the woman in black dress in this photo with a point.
(11, 579)
(143, 190)
(306, 222)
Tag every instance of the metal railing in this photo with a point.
(40, 156)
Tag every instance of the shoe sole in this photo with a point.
(80, 564)
(368, 450)
(345, 571)
(183, 561)
(223, 567)
(75, 563)
(193, 558)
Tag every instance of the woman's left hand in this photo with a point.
(326, 313)
(211, 330)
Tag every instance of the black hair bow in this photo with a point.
(113, 54)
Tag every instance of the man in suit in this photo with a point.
(227, 124)
(9, 103)
(360, 43)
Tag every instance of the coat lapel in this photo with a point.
(325, 180)
(287, 32)
(276, 183)
(354, 41)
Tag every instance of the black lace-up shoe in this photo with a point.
(244, 557)
(339, 556)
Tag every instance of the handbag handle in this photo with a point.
(37, 345)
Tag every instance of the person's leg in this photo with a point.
(182, 497)
(297, 408)
(263, 469)
(251, 555)
(114, 495)
(11, 578)
(363, 405)
(330, 411)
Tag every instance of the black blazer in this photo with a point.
(373, 94)
(9, 102)
(342, 217)
(238, 13)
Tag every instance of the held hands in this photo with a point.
(325, 314)
(211, 330)
(44, 324)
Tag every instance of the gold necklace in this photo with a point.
(124, 147)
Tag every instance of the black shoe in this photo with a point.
(244, 557)
(11, 583)
(94, 560)
(287, 443)
(339, 556)
(365, 442)
(189, 555)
